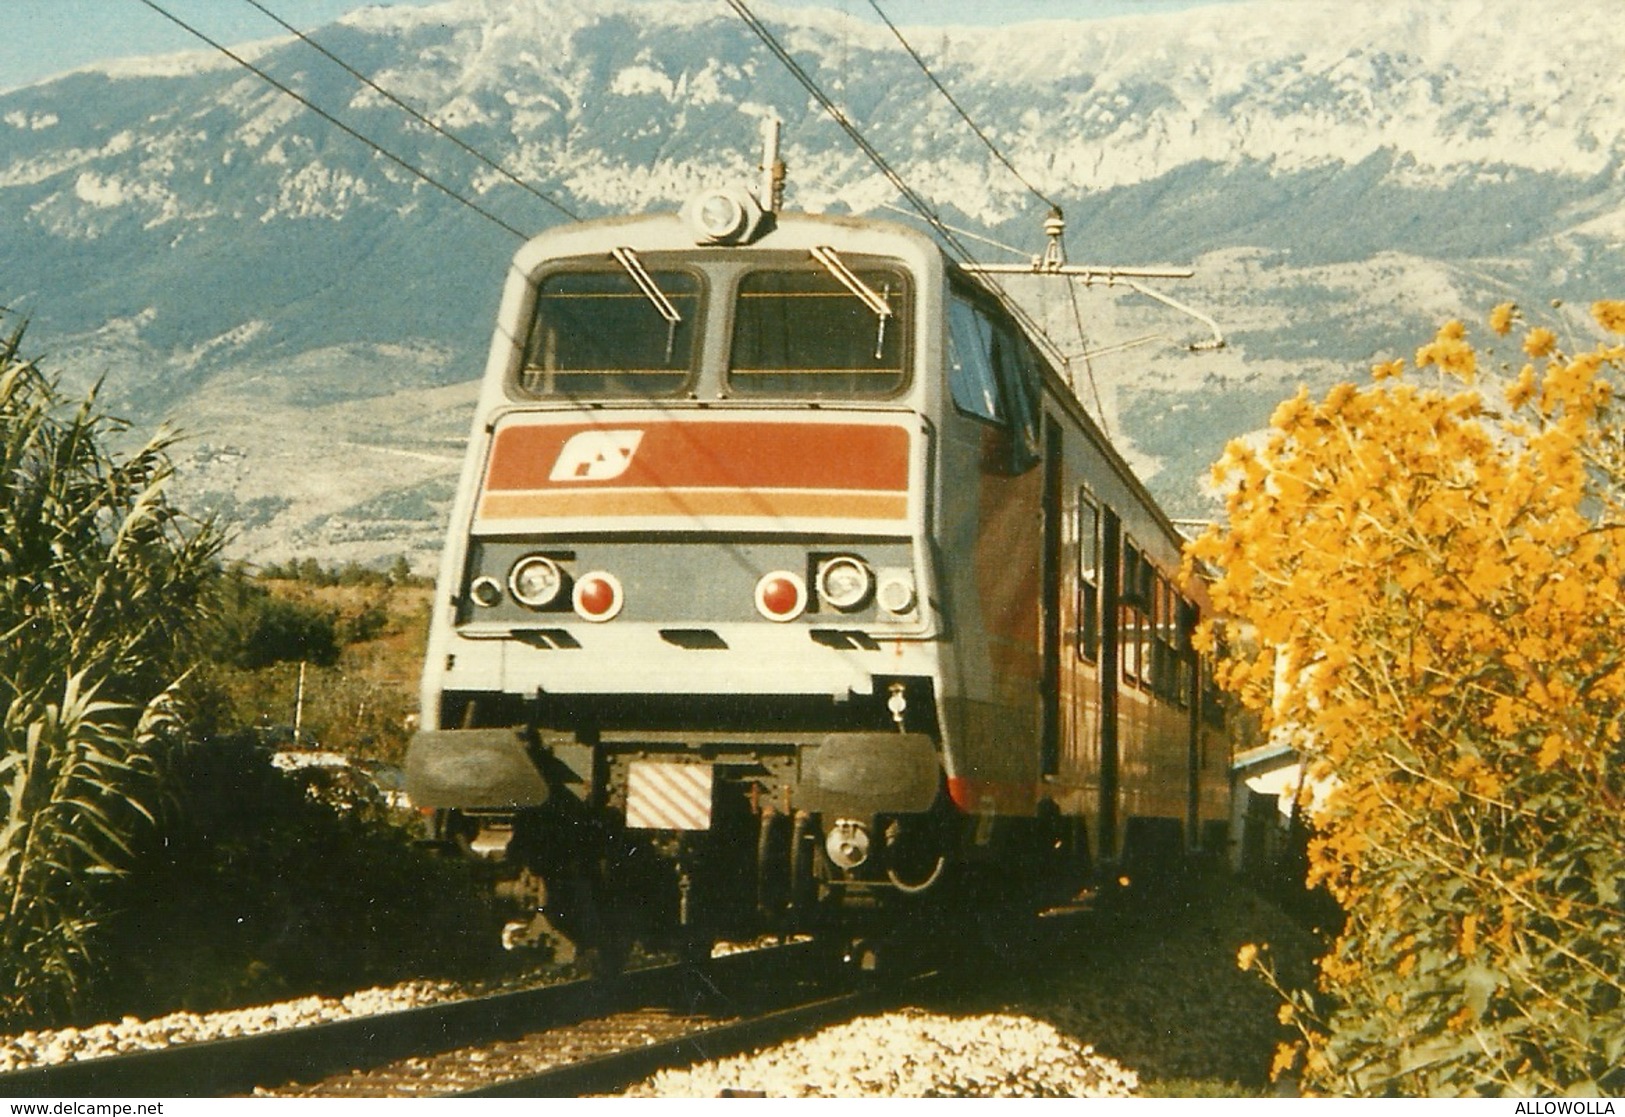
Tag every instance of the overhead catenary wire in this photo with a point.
(1054, 207)
(958, 108)
(968, 234)
(414, 113)
(1055, 210)
(378, 148)
(914, 198)
(1088, 363)
(1054, 260)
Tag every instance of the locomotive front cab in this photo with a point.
(683, 663)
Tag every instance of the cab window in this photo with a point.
(1088, 576)
(596, 333)
(803, 332)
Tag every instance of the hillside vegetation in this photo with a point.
(152, 855)
(332, 651)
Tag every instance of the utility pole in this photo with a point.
(299, 705)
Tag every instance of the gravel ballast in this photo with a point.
(911, 1054)
(122, 1037)
(1140, 997)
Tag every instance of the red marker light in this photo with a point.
(597, 596)
(781, 596)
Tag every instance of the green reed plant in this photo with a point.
(103, 582)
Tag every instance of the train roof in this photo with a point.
(671, 232)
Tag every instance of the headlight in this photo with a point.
(719, 217)
(844, 582)
(723, 217)
(486, 591)
(895, 593)
(536, 581)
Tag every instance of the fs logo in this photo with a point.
(596, 456)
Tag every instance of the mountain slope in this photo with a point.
(1342, 176)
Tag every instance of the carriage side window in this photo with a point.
(1156, 673)
(597, 333)
(1088, 576)
(1174, 619)
(805, 332)
(1136, 575)
(1214, 711)
(970, 368)
(1184, 650)
(1131, 607)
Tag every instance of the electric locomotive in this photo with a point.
(789, 587)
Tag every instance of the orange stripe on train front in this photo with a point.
(709, 503)
(731, 456)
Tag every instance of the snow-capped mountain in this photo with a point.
(1343, 174)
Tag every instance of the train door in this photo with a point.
(1081, 700)
(1050, 605)
(1191, 695)
(1111, 541)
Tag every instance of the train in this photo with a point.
(789, 588)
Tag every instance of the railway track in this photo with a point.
(563, 1040)
(607, 1054)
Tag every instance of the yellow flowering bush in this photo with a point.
(1433, 574)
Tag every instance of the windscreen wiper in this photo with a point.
(867, 295)
(651, 291)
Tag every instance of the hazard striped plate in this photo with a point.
(666, 796)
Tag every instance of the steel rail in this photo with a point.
(611, 1073)
(224, 1067)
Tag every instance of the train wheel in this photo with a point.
(576, 906)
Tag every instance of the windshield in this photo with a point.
(601, 333)
(806, 332)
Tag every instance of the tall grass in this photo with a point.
(102, 585)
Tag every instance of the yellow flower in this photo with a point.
(1389, 370)
(1246, 956)
(1501, 318)
(1286, 1056)
(1610, 315)
(1288, 413)
(1539, 342)
(1551, 751)
(1450, 353)
(1523, 390)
